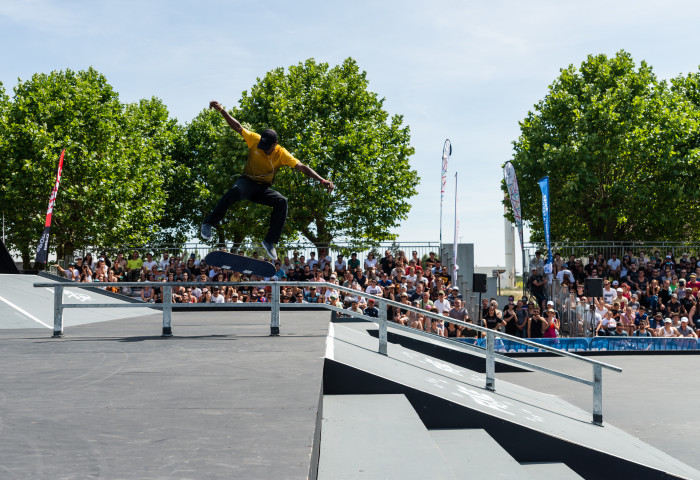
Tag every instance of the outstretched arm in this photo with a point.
(309, 172)
(232, 122)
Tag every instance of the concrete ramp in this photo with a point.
(23, 306)
(531, 426)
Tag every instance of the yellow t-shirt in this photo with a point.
(262, 167)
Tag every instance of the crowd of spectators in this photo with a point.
(654, 295)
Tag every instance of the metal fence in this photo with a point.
(489, 350)
(581, 250)
(200, 250)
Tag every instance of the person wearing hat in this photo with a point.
(667, 329)
(72, 273)
(693, 284)
(453, 294)
(265, 157)
(216, 296)
(685, 330)
(371, 310)
(311, 296)
(333, 300)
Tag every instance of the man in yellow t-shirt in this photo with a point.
(265, 157)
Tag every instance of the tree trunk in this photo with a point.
(26, 260)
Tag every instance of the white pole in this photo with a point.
(454, 252)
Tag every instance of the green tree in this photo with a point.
(328, 119)
(112, 187)
(620, 149)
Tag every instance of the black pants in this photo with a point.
(246, 189)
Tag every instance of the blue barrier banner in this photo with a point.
(544, 186)
(595, 344)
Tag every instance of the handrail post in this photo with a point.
(490, 361)
(58, 311)
(383, 334)
(275, 311)
(597, 395)
(167, 311)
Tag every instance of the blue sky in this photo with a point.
(467, 71)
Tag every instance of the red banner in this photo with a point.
(42, 250)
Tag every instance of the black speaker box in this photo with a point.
(593, 287)
(479, 282)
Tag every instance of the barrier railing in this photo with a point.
(597, 344)
(382, 305)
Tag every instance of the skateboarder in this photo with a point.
(265, 157)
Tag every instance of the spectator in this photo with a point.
(133, 266)
(354, 262)
(536, 324)
(536, 284)
(311, 296)
(642, 330)
(453, 294)
(685, 330)
(216, 297)
(371, 310)
(619, 331)
(608, 293)
(614, 266)
(374, 288)
(149, 262)
(521, 311)
(340, 265)
(552, 326)
(537, 263)
(312, 261)
(355, 307)
(441, 303)
(333, 300)
(667, 330)
(510, 319)
(492, 320)
(458, 312)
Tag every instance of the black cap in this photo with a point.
(267, 139)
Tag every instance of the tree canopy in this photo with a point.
(622, 151)
(116, 155)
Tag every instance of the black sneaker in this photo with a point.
(269, 248)
(206, 231)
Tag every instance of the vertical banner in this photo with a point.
(42, 251)
(514, 194)
(544, 186)
(454, 251)
(446, 152)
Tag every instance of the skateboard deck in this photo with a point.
(239, 263)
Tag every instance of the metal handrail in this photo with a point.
(383, 323)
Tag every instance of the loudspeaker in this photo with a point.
(479, 282)
(593, 287)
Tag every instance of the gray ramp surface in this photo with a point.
(23, 306)
(221, 399)
(474, 454)
(376, 437)
(654, 398)
(550, 471)
(519, 405)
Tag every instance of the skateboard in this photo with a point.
(239, 263)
